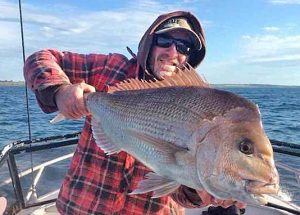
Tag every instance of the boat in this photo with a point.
(33, 191)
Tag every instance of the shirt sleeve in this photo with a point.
(187, 197)
(46, 70)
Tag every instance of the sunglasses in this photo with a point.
(182, 47)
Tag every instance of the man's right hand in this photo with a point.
(70, 100)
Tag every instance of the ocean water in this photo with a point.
(279, 106)
(14, 121)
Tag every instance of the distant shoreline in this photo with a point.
(22, 83)
(12, 83)
(254, 85)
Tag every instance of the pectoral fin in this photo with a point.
(153, 182)
(168, 149)
(102, 140)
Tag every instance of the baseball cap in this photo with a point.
(179, 23)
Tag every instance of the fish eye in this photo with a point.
(246, 147)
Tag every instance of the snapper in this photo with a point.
(188, 134)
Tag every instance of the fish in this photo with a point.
(187, 133)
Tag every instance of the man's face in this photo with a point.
(164, 60)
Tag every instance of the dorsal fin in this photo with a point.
(185, 76)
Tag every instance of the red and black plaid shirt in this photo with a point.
(97, 183)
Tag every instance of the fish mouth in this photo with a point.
(258, 187)
(260, 198)
(260, 190)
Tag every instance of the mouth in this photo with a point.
(257, 188)
(167, 68)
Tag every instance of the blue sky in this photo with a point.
(248, 41)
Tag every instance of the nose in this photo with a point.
(173, 53)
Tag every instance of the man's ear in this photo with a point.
(148, 61)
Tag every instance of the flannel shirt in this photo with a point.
(97, 183)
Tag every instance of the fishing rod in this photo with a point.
(26, 95)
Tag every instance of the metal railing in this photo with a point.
(7, 154)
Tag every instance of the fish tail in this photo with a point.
(58, 118)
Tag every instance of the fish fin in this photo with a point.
(159, 143)
(153, 182)
(170, 188)
(58, 118)
(102, 140)
(167, 149)
(184, 76)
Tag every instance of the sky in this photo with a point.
(248, 41)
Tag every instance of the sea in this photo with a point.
(279, 107)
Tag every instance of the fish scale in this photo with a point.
(155, 122)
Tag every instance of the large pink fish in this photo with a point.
(188, 134)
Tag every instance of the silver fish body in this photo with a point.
(200, 137)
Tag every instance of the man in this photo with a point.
(97, 183)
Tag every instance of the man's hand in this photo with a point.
(208, 199)
(70, 100)
(3, 203)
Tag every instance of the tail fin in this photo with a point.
(58, 118)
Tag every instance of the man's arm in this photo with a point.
(55, 76)
(187, 197)
(44, 75)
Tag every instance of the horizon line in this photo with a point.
(225, 84)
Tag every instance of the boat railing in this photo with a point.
(288, 166)
(19, 199)
(27, 198)
(291, 169)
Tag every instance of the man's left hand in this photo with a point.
(208, 199)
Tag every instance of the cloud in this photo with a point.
(73, 28)
(285, 60)
(285, 1)
(271, 28)
(272, 49)
(263, 59)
